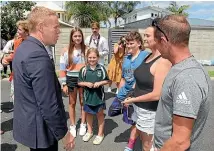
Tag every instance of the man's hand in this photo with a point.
(89, 85)
(68, 142)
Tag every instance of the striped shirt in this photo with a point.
(73, 69)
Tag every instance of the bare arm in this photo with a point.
(122, 83)
(182, 130)
(116, 48)
(104, 82)
(161, 70)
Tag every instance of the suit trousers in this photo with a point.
(53, 147)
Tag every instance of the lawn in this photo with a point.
(211, 73)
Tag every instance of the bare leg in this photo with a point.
(146, 141)
(101, 122)
(89, 119)
(72, 105)
(83, 114)
(133, 136)
(134, 133)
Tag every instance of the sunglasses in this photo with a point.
(155, 24)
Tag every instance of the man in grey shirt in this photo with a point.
(186, 94)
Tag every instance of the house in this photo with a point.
(59, 11)
(201, 36)
(142, 18)
(143, 14)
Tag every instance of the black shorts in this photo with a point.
(72, 82)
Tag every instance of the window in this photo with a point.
(135, 17)
(58, 15)
(152, 15)
(63, 16)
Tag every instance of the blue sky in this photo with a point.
(198, 9)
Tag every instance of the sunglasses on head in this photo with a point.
(155, 24)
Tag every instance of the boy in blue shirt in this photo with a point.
(134, 58)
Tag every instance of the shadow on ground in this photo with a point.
(111, 125)
(6, 107)
(8, 147)
(109, 95)
(7, 125)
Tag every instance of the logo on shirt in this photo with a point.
(99, 74)
(182, 99)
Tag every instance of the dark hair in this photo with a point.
(72, 44)
(134, 35)
(122, 41)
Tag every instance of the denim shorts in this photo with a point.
(144, 119)
(94, 109)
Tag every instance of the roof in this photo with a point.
(64, 23)
(50, 5)
(200, 22)
(148, 7)
(194, 23)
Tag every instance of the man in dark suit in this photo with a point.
(39, 117)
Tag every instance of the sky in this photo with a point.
(198, 9)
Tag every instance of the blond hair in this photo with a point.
(90, 50)
(38, 15)
(95, 24)
(24, 24)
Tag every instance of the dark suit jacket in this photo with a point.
(39, 115)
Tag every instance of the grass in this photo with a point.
(211, 73)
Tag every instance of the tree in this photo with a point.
(119, 8)
(11, 12)
(86, 12)
(179, 10)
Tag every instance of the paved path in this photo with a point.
(116, 132)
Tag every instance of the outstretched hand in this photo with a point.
(69, 141)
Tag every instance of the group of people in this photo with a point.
(163, 94)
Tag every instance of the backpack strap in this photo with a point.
(84, 72)
(103, 70)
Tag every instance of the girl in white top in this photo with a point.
(71, 61)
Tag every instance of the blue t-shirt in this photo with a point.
(128, 73)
